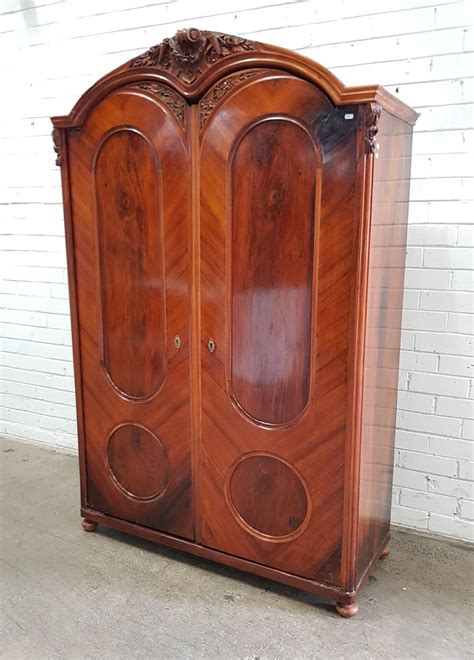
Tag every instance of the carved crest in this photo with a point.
(373, 112)
(190, 52)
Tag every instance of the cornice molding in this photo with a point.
(194, 60)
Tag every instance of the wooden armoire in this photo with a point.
(236, 229)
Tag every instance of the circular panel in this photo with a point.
(137, 461)
(268, 495)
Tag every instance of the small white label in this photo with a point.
(349, 115)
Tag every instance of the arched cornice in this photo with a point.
(193, 60)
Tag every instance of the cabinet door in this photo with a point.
(278, 220)
(130, 210)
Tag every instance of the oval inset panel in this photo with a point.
(138, 462)
(128, 198)
(268, 495)
(274, 173)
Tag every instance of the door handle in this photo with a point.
(211, 344)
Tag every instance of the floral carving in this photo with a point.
(173, 100)
(212, 98)
(57, 145)
(190, 52)
(373, 112)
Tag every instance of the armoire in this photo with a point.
(236, 232)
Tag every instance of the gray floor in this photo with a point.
(68, 594)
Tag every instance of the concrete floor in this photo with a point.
(68, 594)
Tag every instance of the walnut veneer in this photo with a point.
(236, 227)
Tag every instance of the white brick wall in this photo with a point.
(419, 49)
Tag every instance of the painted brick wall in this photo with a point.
(51, 51)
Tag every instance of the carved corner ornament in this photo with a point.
(373, 112)
(191, 52)
(57, 145)
(172, 99)
(221, 89)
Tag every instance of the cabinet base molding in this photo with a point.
(346, 604)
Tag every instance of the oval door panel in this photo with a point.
(128, 198)
(273, 174)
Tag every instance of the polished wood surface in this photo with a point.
(138, 462)
(387, 247)
(228, 213)
(268, 496)
(273, 178)
(131, 254)
(310, 439)
(131, 268)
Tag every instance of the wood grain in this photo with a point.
(387, 246)
(273, 179)
(313, 444)
(146, 302)
(138, 462)
(131, 254)
(268, 496)
(235, 227)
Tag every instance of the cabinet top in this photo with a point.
(194, 59)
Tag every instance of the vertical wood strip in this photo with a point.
(195, 316)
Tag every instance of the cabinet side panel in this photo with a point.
(391, 186)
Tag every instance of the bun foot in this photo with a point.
(88, 525)
(347, 610)
(385, 552)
